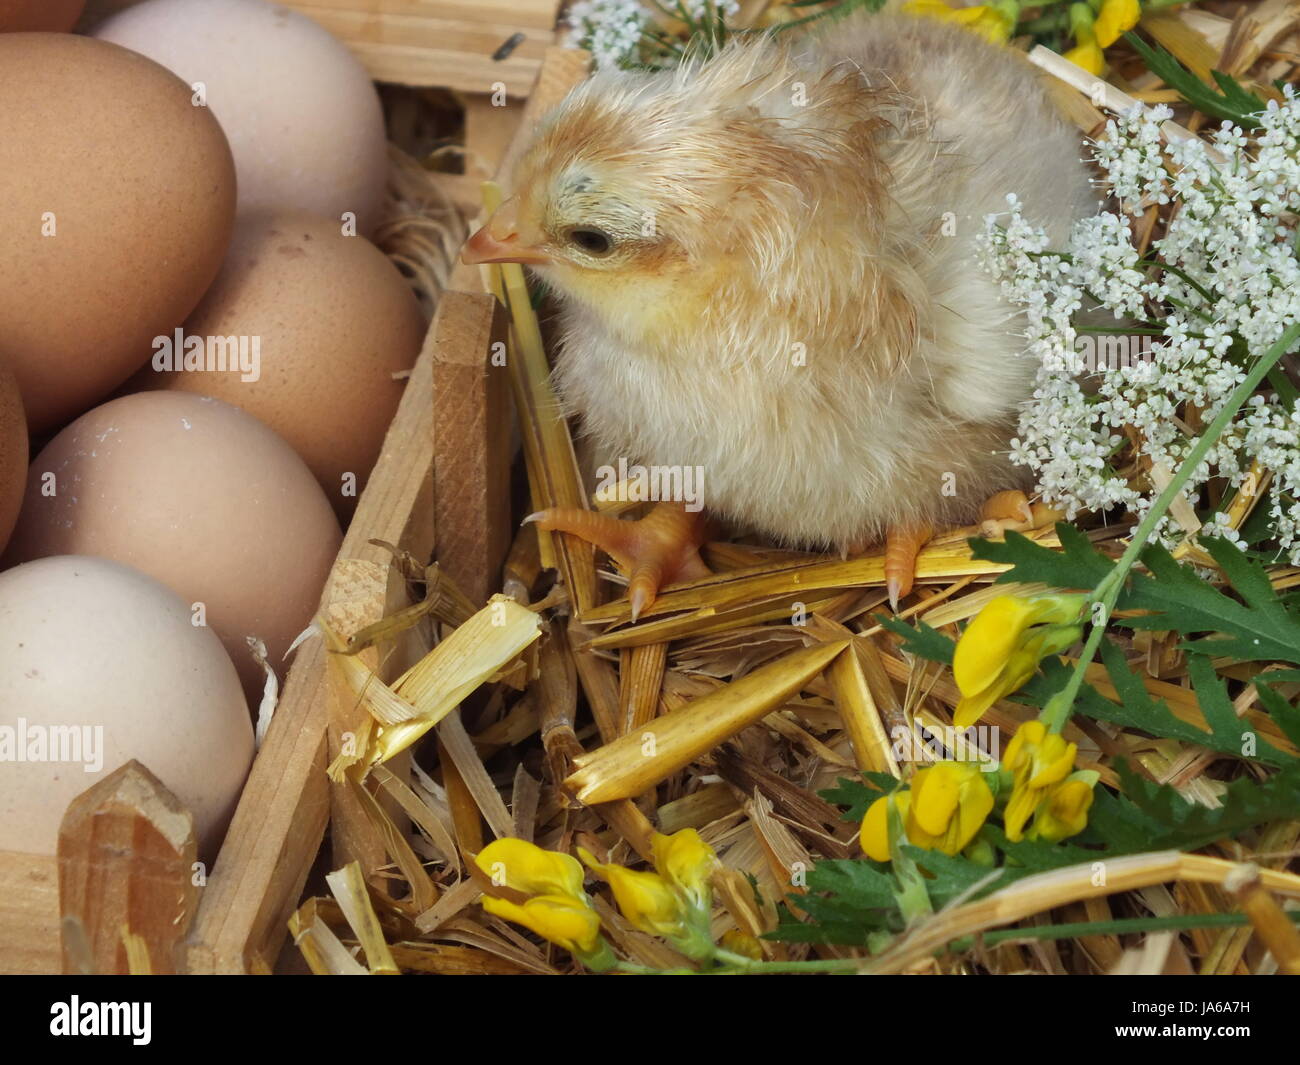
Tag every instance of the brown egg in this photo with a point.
(117, 199)
(13, 453)
(55, 16)
(198, 495)
(323, 321)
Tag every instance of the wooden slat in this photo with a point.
(471, 431)
(490, 126)
(278, 827)
(537, 14)
(29, 915)
(444, 44)
(359, 596)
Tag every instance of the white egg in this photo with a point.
(100, 664)
(301, 114)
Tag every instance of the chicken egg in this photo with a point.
(100, 664)
(304, 328)
(55, 16)
(301, 113)
(13, 452)
(198, 495)
(117, 198)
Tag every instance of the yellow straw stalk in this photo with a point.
(639, 760)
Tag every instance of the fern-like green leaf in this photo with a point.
(1174, 597)
(1233, 101)
(857, 795)
(850, 902)
(922, 640)
(1284, 714)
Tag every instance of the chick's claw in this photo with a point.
(659, 549)
(902, 543)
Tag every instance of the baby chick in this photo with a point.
(767, 269)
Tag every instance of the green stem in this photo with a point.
(1057, 711)
(1118, 927)
(826, 965)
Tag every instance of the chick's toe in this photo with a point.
(902, 543)
(659, 549)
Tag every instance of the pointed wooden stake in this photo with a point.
(127, 861)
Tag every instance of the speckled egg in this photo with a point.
(117, 199)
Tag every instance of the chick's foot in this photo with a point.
(659, 549)
(902, 543)
(1012, 510)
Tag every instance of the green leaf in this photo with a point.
(1221, 716)
(922, 640)
(1284, 715)
(952, 876)
(1258, 629)
(847, 902)
(1186, 826)
(857, 795)
(1137, 708)
(1077, 565)
(1232, 102)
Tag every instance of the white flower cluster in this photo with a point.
(612, 29)
(1218, 289)
(609, 29)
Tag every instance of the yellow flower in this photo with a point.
(942, 810)
(523, 866)
(559, 919)
(741, 943)
(686, 862)
(1086, 52)
(1089, 56)
(874, 835)
(993, 22)
(1115, 18)
(647, 900)
(1037, 760)
(558, 909)
(674, 901)
(1003, 645)
(1063, 811)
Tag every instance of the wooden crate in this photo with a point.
(448, 43)
(452, 420)
(444, 43)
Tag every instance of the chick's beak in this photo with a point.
(498, 241)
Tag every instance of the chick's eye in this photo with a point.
(591, 240)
